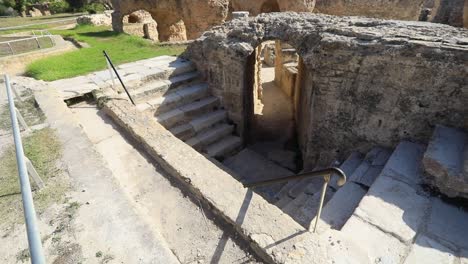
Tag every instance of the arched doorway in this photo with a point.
(270, 6)
(270, 109)
(141, 23)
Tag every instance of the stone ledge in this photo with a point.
(271, 233)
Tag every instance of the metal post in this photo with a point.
(33, 173)
(11, 49)
(38, 44)
(322, 198)
(34, 238)
(21, 120)
(118, 76)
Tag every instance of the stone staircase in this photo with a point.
(385, 207)
(184, 105)
(300, 199)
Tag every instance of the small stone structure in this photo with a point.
(178, 22)
(103, 19)
(140, 23)
(360, 81)
(38, 9)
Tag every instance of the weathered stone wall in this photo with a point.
(174, 17)
(363, 81)
(140, 23)
(440, 11)
(266, 6)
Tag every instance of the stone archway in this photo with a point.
(358, 87)
(140, 23)
(270, 6)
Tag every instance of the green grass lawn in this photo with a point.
(121, 48)
(20, 21)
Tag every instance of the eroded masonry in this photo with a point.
(275, 95)
(177, 21)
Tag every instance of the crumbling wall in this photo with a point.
(266, 6)
(141, 23)
(362, 81)
(177, 20)
(450, 12)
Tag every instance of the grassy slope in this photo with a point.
(44, 150)
(20, 21)
(120, 47)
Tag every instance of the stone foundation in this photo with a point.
(363, 81)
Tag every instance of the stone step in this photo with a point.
(347, 198)
(183, 132)
(198, 125)
(187, 112)
(293, 189)
(161, 87)
(177, 98)
(304, 208)
(371, 167)
(444, 161)
(224, 147)
(212, 135)
(315, 186)
(254, 167)
(393, 210)
(206, 121)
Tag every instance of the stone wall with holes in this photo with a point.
(362, 82)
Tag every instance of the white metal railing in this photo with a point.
(13, 51)
(34, 237)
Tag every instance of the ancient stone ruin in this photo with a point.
(281, 94)
(140, 23)
(177, 21)
(187, 21)
(350, 90)
(452, 12)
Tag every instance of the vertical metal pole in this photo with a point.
(38, 44)
(21, 120)
(322, 198)
(12, 51)
(34, 238)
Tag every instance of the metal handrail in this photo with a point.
(325, 173)
(118, 76)
(34, 237)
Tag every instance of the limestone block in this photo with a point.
(151, 31)
(337, 211)
(135, 29)
(448, 223)
(393, 206)
(269, 56)
(34, 12)
(444, 161)
(288, 80)
(95, 19)
(381, 247)
(405, 163)
(426, 250)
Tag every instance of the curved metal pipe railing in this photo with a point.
(325, 173)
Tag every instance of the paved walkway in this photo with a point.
(187, 228)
